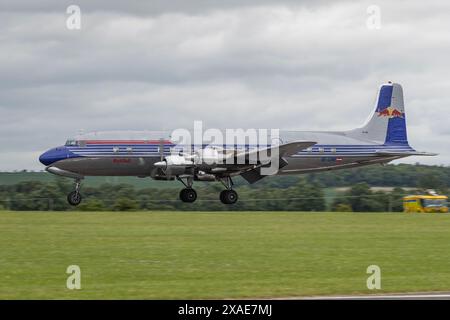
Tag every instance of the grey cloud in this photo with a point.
(154, 7)
(288, 64)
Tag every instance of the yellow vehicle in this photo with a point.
(425, 203)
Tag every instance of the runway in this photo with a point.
(404, 296)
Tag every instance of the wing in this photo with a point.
(264, 156)
(219, 163)
(284, 150)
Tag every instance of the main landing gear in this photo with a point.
(189, 195)
(74, 198)
(228, 196)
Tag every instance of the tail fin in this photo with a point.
(387, 125)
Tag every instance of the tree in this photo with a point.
(396, 198)
(125, 204)
(359, 197)
(430, 181)
(305, 197)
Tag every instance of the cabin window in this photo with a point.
(333, 150)
(321, 150)
(115, 149)
(129, 149)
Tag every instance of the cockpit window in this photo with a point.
(71, 142)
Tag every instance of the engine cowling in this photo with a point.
(208, 156)
(177, 160)
(180, 164)
(174, 165)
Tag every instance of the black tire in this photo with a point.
(74, 198)
(188, 195)
(228, 196)
(183, 195)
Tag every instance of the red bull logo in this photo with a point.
(391, 112)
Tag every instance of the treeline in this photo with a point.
(310, 192)
(52, 196)
(360, 198)
(401, 175)
(302, 196)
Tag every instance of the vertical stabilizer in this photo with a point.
(387, 124)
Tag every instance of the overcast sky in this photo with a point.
(135, 65)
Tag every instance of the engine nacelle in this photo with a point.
(177, 160)
(208, 156)
(174, 165)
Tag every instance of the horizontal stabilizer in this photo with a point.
(405, 154)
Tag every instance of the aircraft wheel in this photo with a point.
(74, 198)
(228, 196)
(188, 195)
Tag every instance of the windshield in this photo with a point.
(434, 203)
(71, 142)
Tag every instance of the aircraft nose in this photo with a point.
(53, 155)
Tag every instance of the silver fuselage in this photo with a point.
(334, 150)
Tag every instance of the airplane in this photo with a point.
(380, 140)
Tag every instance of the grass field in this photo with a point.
(148, 255)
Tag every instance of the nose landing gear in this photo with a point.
(74, 198)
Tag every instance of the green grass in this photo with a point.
(146, 255)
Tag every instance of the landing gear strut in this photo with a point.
(74, 197)
(228, 196)
(187, 194)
